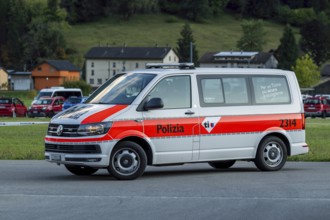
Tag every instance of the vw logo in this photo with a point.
(59, 130)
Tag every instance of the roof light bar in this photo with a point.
(170, 65)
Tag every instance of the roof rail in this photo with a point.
(170, 66)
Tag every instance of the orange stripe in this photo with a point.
(101, 115)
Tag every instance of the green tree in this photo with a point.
(306, 71)
(85, 87)
(315, 39)
(183, 48)
(287, 52)
(217, 6)
(253, 36)
(44, 38)
(195, 10)
(264, 9)
(18, 20)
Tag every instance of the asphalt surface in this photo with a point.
(40, 190)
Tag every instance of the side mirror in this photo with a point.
(154, 103)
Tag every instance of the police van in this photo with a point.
(176, 114)
(58, 91)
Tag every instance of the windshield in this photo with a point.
(312, 101)
(43, 102)
(42, 94)
(122, 90)
(74, 100)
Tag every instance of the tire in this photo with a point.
(81, 170)
(324, 114)
(271, 154)
(222, 164)
(127, 161)
(51, 114)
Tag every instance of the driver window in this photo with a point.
(175, 91)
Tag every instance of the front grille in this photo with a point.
(68, 130)
(73, 149)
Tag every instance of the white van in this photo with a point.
(58, 91)
(180, 114)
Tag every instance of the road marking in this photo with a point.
(168, 197)
(22, 123)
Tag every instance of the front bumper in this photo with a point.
(313, 114)
(36, 113)
(84, 154)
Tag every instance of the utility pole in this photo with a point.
(191, 52)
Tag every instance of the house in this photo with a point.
(20, 80)
(323, 87)
(3, 79)
(104, 62)
(238, 59)
(51, 73)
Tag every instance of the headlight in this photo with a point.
(94, 129)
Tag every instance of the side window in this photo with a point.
(270, 90)
(235, 90)
(212, 91)
(223, 90)
(175, 91)
(56, 102)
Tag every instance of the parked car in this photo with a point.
(73, 100)
(12, 107)
(306, 96)
(58, 91)
(46, 107)
(317, 107)
(323, 95)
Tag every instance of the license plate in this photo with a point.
(311, 108)
(55, 157)
(35, 112)
(2, 106)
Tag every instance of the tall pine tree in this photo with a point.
(183, 49)
(287, 52)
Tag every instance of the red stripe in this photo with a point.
(80, 140)
(256, 123)
(193, 126)
(101, 115)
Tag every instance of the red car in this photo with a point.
(12, 107)
(46, 107)
(317, 107)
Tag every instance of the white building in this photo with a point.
(104, 62)
(239, 59)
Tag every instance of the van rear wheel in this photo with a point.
(128, 161)
(81, 170)
(222, 164)
(271, 154)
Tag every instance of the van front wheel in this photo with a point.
(271, 154)
(128, 161)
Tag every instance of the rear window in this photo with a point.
(42, 94)
(5, 101)
(270, 90)
(74, 100)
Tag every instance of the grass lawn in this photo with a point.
(217, 34)
(26, 142)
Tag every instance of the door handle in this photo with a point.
(189, 112)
